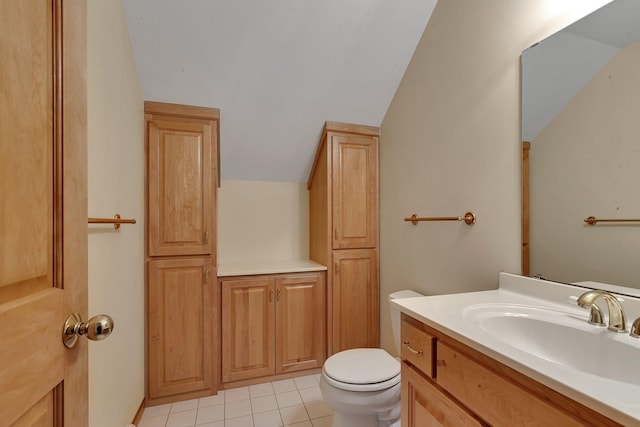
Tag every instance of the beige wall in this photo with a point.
(262, 221)
(450, 143)
(116, 179)
(586, 162)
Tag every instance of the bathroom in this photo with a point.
(450, 143)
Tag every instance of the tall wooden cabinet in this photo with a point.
(181, 143)
(343, 219)
(272, 324)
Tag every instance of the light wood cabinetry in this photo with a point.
(181, 144)
(343, 217)
(300, 322)
(272, 324)
(180, 325)
(424, 405)
(445, 380)
(248, 328)
(354, 177)
(355, 299)
(180, 181)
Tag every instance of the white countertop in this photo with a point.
(617, 400)
(272, 267)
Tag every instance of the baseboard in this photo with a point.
(138, 416)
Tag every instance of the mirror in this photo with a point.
(581, 116)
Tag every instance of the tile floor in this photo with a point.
(294, 402)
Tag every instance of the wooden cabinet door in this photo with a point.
(424, 405)
(180, 331)
(355, 299)
(248, 328)
(354, 191)
(300, 322)
(502, 401)
(180, 186)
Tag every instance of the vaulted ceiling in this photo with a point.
(277, 69)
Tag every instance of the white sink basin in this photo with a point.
(561, 337)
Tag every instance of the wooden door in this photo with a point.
(180, 190)
(355, 299)
(300, 322)
(180, 310)
(43, 211)
(248, 328)
(354, 191)
(424, 405)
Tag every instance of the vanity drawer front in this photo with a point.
(424, 405)
(418, 346)
(492, 397)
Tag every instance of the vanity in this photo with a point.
(523, 354)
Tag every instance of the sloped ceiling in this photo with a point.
(277, 69)
(555, 70)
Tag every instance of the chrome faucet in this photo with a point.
(617, 319)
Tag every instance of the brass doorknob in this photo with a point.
(97, 328)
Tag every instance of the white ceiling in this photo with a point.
(277, 69)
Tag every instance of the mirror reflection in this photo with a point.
(581, 116)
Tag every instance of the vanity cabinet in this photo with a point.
(343, 231)
(272, 324)
(181, 310)
(423, 404)
(457, 385)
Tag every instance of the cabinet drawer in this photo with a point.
(424, 405)
(492, 397)
(418, 347)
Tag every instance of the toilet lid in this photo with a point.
(362, 366)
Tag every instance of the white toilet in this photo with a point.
(362, 385)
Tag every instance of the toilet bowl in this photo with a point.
(362, 385)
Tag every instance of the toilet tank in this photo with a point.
(395, 314)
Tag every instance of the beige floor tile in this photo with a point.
(323, 422)
(318, 409)
(264, 404)
(267, 419)
(289, 398)
(305, 382)
(182, 419)
(246, 421)
(283, 386)
(237, 409)
(260, 390)
(294, 414)
(209, 414)
(236, 394)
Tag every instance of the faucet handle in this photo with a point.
(635, 328)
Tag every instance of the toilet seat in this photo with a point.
(362, 369)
